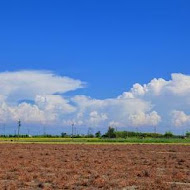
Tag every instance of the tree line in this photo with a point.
(110, 133)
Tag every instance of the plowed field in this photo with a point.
(45, 166)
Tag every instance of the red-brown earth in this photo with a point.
(128, 167)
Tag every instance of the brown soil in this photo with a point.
(127, 167)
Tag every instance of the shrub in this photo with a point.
(168, 134)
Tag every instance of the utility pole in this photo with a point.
(109, 132)
(72, 129)
(75, 131)
(137, 131)
(155, 129)
(4, 129)
(19, 125)
(28, 132)
(90, 131)
(44, 130)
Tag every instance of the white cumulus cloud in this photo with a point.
(38, 97)
(20, 85)
(179, 118)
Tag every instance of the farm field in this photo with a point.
(72, 166)
(59, 140)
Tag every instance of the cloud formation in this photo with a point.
(31, 97)
(15, 86)
(179, 118)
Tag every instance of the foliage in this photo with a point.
(168, 134)
(63, 134)
(188, 134)
(126, 134)
(98, 134)
(68, 140)
(89, 136)
(110, 133)
(110, 136)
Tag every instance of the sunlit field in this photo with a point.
(93, 140)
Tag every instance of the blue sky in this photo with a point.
(104, 47)
(109, 44)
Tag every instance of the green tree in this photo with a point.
(168, 134)
(187, 134)
(110, 133)
(98, 134)
(63, 134)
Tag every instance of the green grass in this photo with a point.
(95, 140)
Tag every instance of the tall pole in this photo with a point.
(155, 129)
(72, 129)
(19, 125)
(137, 131)
(44, 130)
(4, 128)
(28, 132)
